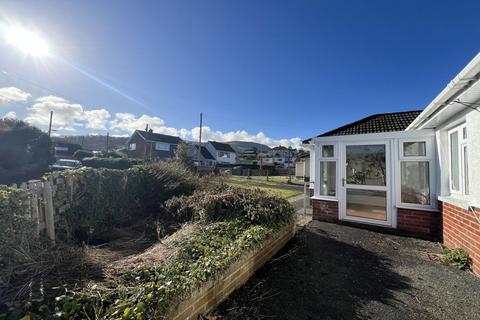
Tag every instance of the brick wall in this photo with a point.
(324, 210)
(462, 230)
(207, 297)
(424, 224)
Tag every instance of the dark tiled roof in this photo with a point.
(205, 153)
(158, 137)
(384, 122)
(222, 146)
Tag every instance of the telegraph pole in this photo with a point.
(200, 140)
(50, 125)
(108, 136)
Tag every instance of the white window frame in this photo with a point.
(429, 157)
(224, 154)
(462, 143)
(321, 158)
(132, 146)
(162, 146)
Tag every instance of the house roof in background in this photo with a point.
(205, 153)
(158, 137)
(383, 122)
(222, 146)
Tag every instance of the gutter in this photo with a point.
(449, 94)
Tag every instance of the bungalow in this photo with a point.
(148, 145)
(415, 171)
(222, 152)
(206, 161)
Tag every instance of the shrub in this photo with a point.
(25, 151)
(95, 200)
(16, 236)
(80, 154)
(457, 257)
(110, 163)
(227, 203)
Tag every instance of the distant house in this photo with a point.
(302, 166)
(283, 156)
(148, 145)
(222, 152)
(65, 149)
(207, 160)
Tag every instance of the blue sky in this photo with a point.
(285, 69)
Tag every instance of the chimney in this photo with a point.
(146, 128)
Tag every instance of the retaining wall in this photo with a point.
(210, 295)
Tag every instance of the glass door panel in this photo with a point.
(366, 165)
(369, 204)
(366, 182)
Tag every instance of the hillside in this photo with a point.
(242, 145)
(94, 142)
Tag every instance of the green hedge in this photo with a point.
(110, 163)
(93, 201)
(17, 240)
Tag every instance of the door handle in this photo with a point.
(343, 182)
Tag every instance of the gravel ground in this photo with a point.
(330, 271)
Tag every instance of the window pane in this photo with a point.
(454, 162)
(465, 170)
(370, 204)
(415, 179)
(327, 151)
(366, 165)
(414, 149)
(327, 178)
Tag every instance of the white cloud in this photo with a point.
(70, 117)
(66, 116)
(12, 94)
(10, 115)
(97, 119)
(125, 121)
(128, 122)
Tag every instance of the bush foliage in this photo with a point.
(25, 151)
(96, 200)
(80, 154)
(228, 203)
(16, 236)
(457, 257)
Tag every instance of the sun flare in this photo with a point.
(27, 41)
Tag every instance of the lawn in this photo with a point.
(273, 186)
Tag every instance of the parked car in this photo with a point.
(64, 164)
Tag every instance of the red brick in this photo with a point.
(324, 210)
(425, 224)
(462, 230)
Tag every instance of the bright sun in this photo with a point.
(26, 41)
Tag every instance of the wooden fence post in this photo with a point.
(49, 213)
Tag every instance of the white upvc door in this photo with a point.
(365, 182)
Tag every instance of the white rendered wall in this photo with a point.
(473, 146)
